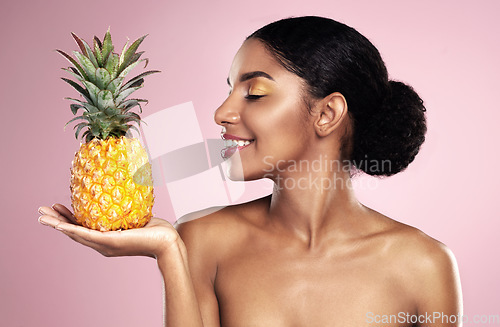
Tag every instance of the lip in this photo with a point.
(226, 136)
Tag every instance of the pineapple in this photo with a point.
(111, 180)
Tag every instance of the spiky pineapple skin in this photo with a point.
(111, 184)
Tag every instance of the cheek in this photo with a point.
(280, 113)
(282, 128)
(288, 117)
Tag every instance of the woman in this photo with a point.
(311, 103)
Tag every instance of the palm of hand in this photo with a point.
(151, 240)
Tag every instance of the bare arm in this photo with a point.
(200, 239)
(158, 239)
(440, 294)
(181, 306)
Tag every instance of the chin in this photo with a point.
(235, 171)
(235, 176)
(233, 168)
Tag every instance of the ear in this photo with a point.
(331, 111)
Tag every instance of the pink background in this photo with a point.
(448, 50)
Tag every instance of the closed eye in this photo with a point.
(253, 96)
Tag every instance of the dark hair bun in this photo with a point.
(388, 141)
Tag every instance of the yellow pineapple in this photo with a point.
(111, 181)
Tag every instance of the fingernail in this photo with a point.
(43, 222)
(40, 211)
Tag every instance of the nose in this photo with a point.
(227, 113)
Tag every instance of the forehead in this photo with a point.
(253, 56)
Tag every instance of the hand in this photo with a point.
(152, 240)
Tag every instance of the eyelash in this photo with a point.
(253, 97)
(250, 97)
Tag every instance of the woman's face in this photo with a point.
(264, 113)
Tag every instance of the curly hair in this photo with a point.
(388, 120)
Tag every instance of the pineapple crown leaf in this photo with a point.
(134, 116)
(102, 77)
(92, 90)
(127, 56)
(99, 75)
(78, 87)
(98, 42)
(97, 51)
(75, 106)
(105, 99)
(122, 53)
(79, 42)
(137, 83)
(124, 94)
(85, 48)
(87, 106)
(78, 128)
(112, 64)
(134, 128)
(86, 64)
(127, 70)
(83, 103)
(111, 112)
(107, 45)
(136, 56)
(73, 119)
(131, 103)
(138, 77)
(73, 61)
(74, 72)
(114, 84)
(94, 129)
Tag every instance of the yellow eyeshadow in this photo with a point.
(259, 89)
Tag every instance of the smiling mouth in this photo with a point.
(232, 144)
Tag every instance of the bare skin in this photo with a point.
(256, 273)
(306, 255)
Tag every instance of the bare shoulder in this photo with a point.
(419, 250)
(410, 246)
(218, 227)
(433, 265)
(426, 265)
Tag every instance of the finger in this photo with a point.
(52, 221)
(48, 211)
(90, 235)
(51, 212)
(64, 211)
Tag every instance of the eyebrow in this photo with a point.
(250, 75)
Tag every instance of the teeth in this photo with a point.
(230, 143)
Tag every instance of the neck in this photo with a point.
(314, 204)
